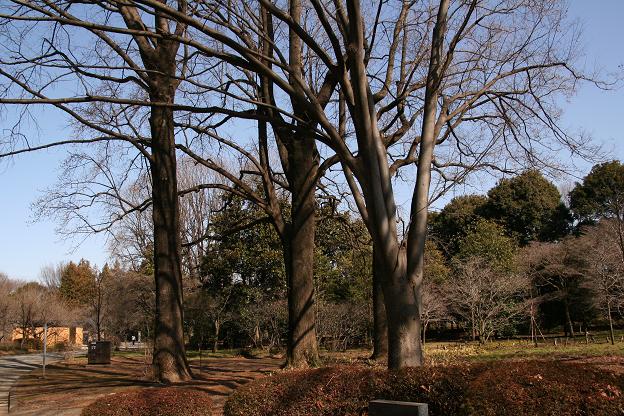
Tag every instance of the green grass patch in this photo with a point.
(227, 353)
(450, 352)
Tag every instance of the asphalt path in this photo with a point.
(12, 367)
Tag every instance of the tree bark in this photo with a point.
(98, 322)
(568, 318)
(23, 340)
(403, 264)
(169, 362)
(610, 323)
(215, 345)
(302, 348)
(373, 172)
(404, 325)
(380, 323)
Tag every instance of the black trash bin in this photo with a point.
(99, 352)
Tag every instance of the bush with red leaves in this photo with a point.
(498, 388)
(157, 401)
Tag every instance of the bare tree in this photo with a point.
(198, 202)
(97, 299)
(442, 91)
(478, 79)
(142, 60)
(129, 304)
(131, 236)
(50, 275)
(342, 325)
(557, 270)
(486, 299)
(7, 286)
(265, 322)
(36, 305)
(434, 305)
(27, 300)
(604, 268)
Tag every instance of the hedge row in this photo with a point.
(496, 388)
(157, 401)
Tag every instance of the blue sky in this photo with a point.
(25, 246)
(598, 112)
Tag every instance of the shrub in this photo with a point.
(498, 388)
(157, 401)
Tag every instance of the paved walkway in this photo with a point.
(70, 386)
(12, 367)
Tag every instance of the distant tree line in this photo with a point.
(520, 260)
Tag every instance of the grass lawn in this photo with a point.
(514, 349)
(441, 353)
(447, 352)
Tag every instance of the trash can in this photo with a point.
(99, 352)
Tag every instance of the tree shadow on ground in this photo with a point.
(71, 386)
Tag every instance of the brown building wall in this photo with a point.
(56, 335)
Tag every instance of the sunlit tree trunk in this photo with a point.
(169, 362)
(299, 250)
(380, 323)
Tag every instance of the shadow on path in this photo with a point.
(70, 386)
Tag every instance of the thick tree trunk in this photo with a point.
(380, 323)
(169, 362)
(404, 326)
(299, 254)
(403, 265)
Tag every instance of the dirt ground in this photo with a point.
(70, 386)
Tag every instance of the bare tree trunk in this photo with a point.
(404, 338)
(23, 340)
(299, 254)
(403, 265)
(300, 161)
(170, 364)
(403, 313)
(610, 323)
(473, 325)
(215, 345)
(98, 322)
(380, 323)
(568, 318)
